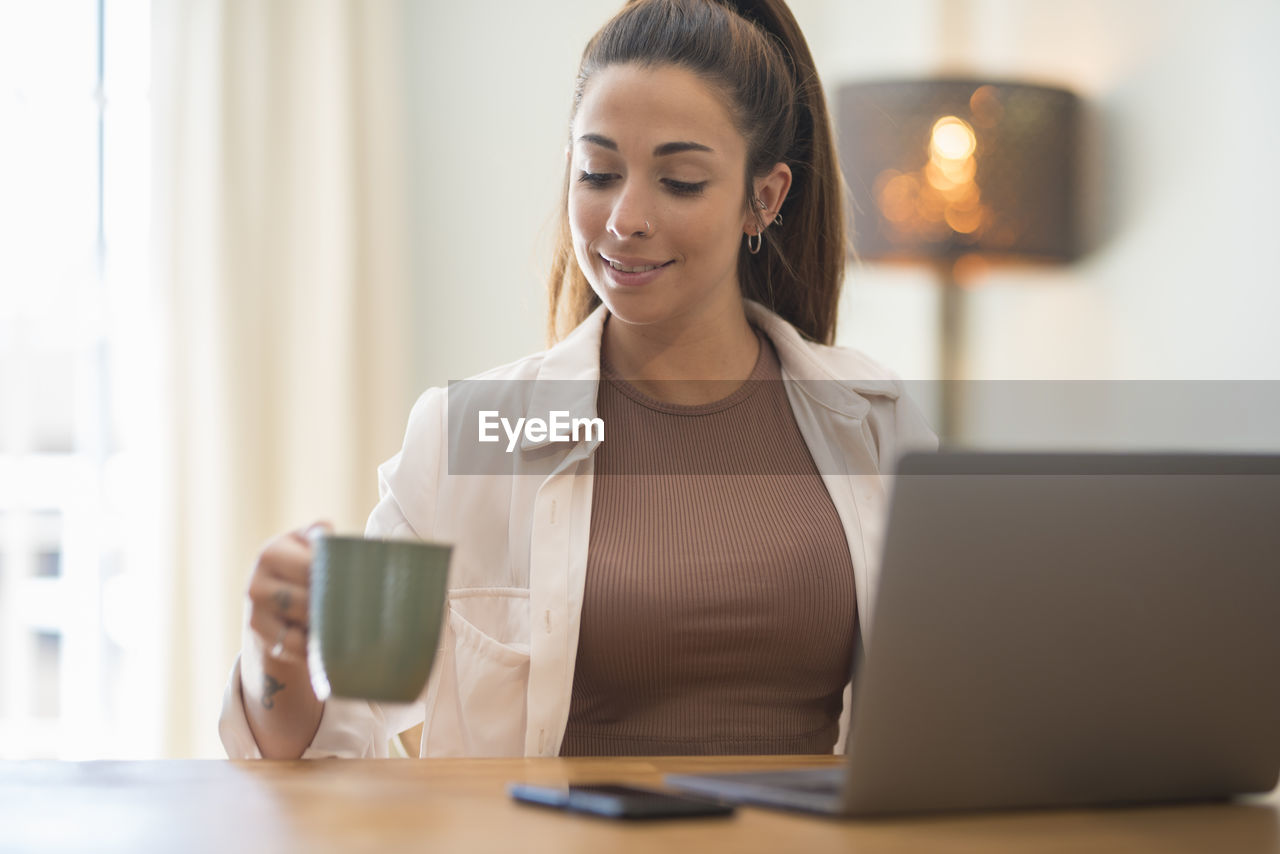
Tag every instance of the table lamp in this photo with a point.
(951, 170)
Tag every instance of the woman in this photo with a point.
(614, 603)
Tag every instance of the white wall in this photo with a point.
(1183, 105)
(1186, 284)
(493, 84)
(1183, 284)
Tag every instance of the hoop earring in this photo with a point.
(755, 241)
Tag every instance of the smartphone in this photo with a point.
(612, 800)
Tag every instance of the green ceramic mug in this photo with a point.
(376, 612)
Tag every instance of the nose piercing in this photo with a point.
(647, 228)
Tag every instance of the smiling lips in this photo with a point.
(634, 271)
(634, 265)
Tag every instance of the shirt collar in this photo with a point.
(569, 375)
(839, 379)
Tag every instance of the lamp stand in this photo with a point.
(951, 347)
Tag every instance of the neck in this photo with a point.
(692, 363)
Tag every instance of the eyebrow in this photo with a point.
(664, 150)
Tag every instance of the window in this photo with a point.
(74, 291)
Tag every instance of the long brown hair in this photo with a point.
(754, 53)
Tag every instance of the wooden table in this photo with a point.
(461, 805)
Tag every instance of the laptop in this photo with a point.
(1060, 630)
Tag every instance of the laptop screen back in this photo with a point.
(1072, 629)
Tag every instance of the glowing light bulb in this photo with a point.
(952, 139)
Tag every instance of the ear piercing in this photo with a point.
(777, 220)
(755, 241)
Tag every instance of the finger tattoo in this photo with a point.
(283, 600)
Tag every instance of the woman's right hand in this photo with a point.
(280, 595)
(279, 703)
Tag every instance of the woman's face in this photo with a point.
(657, 202)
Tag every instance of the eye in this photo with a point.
(596, 179)
(684, 188)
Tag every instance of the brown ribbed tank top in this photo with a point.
(718, 615)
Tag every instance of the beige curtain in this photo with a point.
(282, 262)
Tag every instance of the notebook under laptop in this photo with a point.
(1057, 630)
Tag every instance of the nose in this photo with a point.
(629, 217)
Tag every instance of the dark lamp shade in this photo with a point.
(942, 168)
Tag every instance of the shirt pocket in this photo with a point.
(484, 713)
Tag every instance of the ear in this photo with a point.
(771, 189)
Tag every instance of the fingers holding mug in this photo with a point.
(291, 603)
(285, 599)
(284, 640)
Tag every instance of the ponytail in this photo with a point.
(754, 52)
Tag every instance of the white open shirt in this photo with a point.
(503, 674)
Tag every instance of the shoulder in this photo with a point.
(848, 381)
(430, 404)
(436, 442)
(564, 376)
(894, 420)
(856, 369)
(847, 367)
(526, 368)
